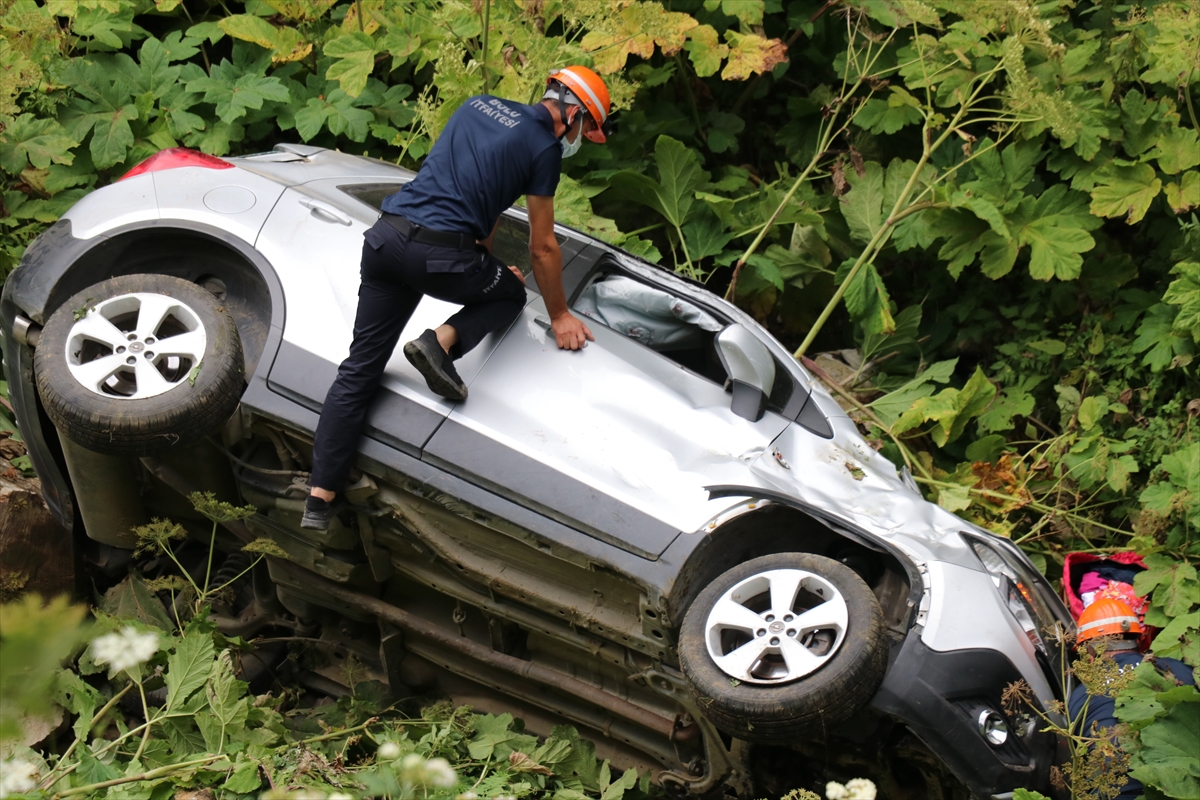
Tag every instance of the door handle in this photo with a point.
(324, 211)
(544, 323)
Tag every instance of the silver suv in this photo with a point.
(673, 538)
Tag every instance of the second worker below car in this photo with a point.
(435, 237)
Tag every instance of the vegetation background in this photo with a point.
(975, 220)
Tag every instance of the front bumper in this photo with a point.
(939, 696)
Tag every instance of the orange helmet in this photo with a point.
(589, 90)
(1107, 617)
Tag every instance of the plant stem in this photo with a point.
(145, 776)
(116, 698)
(146, 733)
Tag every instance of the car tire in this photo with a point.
(139, 364)
(764, 672)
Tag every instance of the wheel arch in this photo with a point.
(194, 251)
(58, 264)
(783, 525)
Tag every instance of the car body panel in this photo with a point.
(625, 436)
(317, 246)
(615, 460)
(121, 204)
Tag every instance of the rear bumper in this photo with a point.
(939, 696)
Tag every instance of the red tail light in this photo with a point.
(174, 157)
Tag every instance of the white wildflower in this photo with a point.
(439, 773)
(835, 791)
(412, 762)
(124, 649)
(861, 789)
(17, 776)
(467, 796)
(389, 751)
(504, 797)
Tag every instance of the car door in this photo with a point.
(314, 239)
(616, 440)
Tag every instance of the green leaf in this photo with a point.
(1168, 642)
(1091, 411)
(893, 404)
(245, 778)
(1124, 190)
(1157, 336)
(206, 30)
(188, 668)
(954, 498)
(1184, 292)
(1055, 227)
(130, 599)
(28, 140)
(862, 206)
(706, 237)
(723, 132)
(494, 738)
(1167, 756)
(250, 28)
(748, 12)
(1185, 195)
(238, 87)
(355, 58)
(1138, 704)
(616, 790)
(1178, 149)
(975, 396)
(867, 298)
(705, 50)
(889, 116)
(1051, 347)
(680, 176)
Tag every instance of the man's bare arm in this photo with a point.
(569, 332)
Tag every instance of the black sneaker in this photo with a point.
(436, 365)
(318, 513)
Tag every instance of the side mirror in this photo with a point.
(751, 369)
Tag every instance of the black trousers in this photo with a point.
(396, 272)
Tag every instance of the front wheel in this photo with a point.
(783, 646)
(138, 364)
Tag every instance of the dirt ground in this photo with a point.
(36, 553)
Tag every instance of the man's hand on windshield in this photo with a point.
(570, 333)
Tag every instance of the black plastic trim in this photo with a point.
(938, 695)
(305, 378)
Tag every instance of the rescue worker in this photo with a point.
(435, 237)
(1117, 621)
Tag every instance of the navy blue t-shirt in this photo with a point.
(491, 152)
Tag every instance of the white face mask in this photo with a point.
(568, 148)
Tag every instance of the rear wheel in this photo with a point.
(138, 364)
(785, 645)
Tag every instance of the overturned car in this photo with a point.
(673, 538)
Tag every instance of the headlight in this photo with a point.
(1031, 602)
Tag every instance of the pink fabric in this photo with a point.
(1071, 593)
(1075, 602)
(1115, 590)
(1091, 582)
